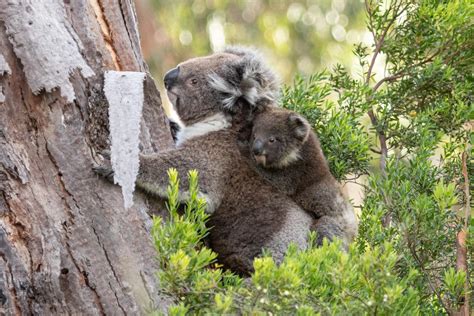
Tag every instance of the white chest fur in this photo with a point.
(210, 124)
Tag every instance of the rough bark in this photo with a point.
(67, 245)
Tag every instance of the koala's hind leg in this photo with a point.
(335, 216)
(328, 228)
(331, 227)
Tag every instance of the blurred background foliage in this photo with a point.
(297, 36)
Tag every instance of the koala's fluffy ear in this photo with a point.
(299, 126)
(249, 78)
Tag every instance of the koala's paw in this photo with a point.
(106, 154)
(105, 172)
(105, 169)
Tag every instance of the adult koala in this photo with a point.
(248, 214)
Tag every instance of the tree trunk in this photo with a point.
(67, 244)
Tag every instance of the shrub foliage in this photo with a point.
(322, 280)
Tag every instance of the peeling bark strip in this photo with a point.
(45, 42)
(124, 92)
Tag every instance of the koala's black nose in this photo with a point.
(257, 147)
(171, 77)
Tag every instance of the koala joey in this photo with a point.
(287, 153)
(247, 213)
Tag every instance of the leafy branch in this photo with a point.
(398, 10)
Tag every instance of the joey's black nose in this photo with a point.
(171, 77)
(257, 147)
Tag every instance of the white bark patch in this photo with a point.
(4, 67)
(45, 42)
(124, 92)
(4, 70)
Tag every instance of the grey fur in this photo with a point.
(257, 83)
(250, 214)
(225, 81)
(306, 179)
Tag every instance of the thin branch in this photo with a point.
(357, 298)
(467, 210)
(389, 79)
(461, 265)
(375, 151)
(402, 73)
(461, 251)
(357, 183)
(357, 176)
(369, 17)
(378, 46)
(379, 42)
(383, 142)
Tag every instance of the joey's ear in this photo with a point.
(299, 126)
(247, 78)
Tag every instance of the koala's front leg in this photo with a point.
(153, 175)
(153, 171)
(329, 228)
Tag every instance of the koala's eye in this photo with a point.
(271, 139)
(194, 81)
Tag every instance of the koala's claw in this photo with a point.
(105, 172)
(106, 154)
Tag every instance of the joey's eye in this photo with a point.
(271, 139)
(194, 81)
